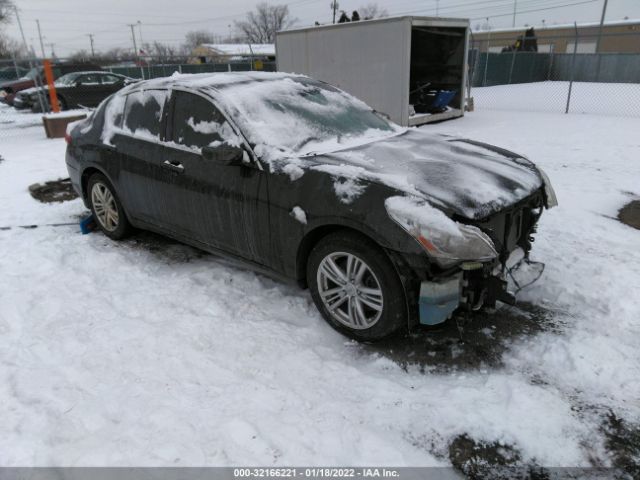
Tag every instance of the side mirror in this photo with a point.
(224, 154)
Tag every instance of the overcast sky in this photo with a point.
(66, 23)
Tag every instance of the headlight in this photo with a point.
(447, 241)
(550, 194)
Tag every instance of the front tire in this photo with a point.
(355, 286)
(107, 210)
(63, 103)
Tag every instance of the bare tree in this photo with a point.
(80, 56)
(6, 10)
(372, 10)
(8, 47)
(261, 25)
(112, 56)
(197, 37)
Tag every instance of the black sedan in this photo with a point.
(77, 89)
(388, 227)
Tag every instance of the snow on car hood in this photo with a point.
(470, 178)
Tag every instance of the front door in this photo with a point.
(222, 206)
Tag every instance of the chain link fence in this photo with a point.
(565, 74)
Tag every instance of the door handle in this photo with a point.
(175, 166)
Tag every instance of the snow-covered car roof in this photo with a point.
(210, 80)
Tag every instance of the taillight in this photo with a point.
(67, 138)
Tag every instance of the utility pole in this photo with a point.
(604, 13)
(598, 42)
(140, 33)
(133, 37)
(41, 98)
(24, 40)
(40, 36)
(515, 10)
(334, 6)
(93, 53)
(437, 8)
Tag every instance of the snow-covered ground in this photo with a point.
(147, 352)
(593, 98)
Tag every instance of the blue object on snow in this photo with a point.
(443, 98)
(87, 225)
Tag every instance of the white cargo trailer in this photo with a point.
(405, 67)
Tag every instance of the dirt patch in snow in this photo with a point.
(630, 214)
(59, 190)
(479, 345)
(623, 443)
(1, 159)
(479, 459)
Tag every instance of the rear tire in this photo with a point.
(106, 208)
(356, 288)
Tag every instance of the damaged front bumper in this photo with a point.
(475, 286)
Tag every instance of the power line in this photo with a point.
(539, 9)
(40, 37)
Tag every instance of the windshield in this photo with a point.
(298, 116)
(31, 74)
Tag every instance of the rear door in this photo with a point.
(138, 143)
(222, 206)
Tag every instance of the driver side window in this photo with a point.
(197, 122)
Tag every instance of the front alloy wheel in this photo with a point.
(355, 286)
(350, 291)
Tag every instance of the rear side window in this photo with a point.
(109, 79)
(143, 113)
(198, 123)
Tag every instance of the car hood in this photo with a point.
(19, 84)
(468, 178)
(29, 91)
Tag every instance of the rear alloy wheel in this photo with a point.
(355, 287)
(106, 208)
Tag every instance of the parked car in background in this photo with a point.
(73, 90)
(9, 89)
(387, 226)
